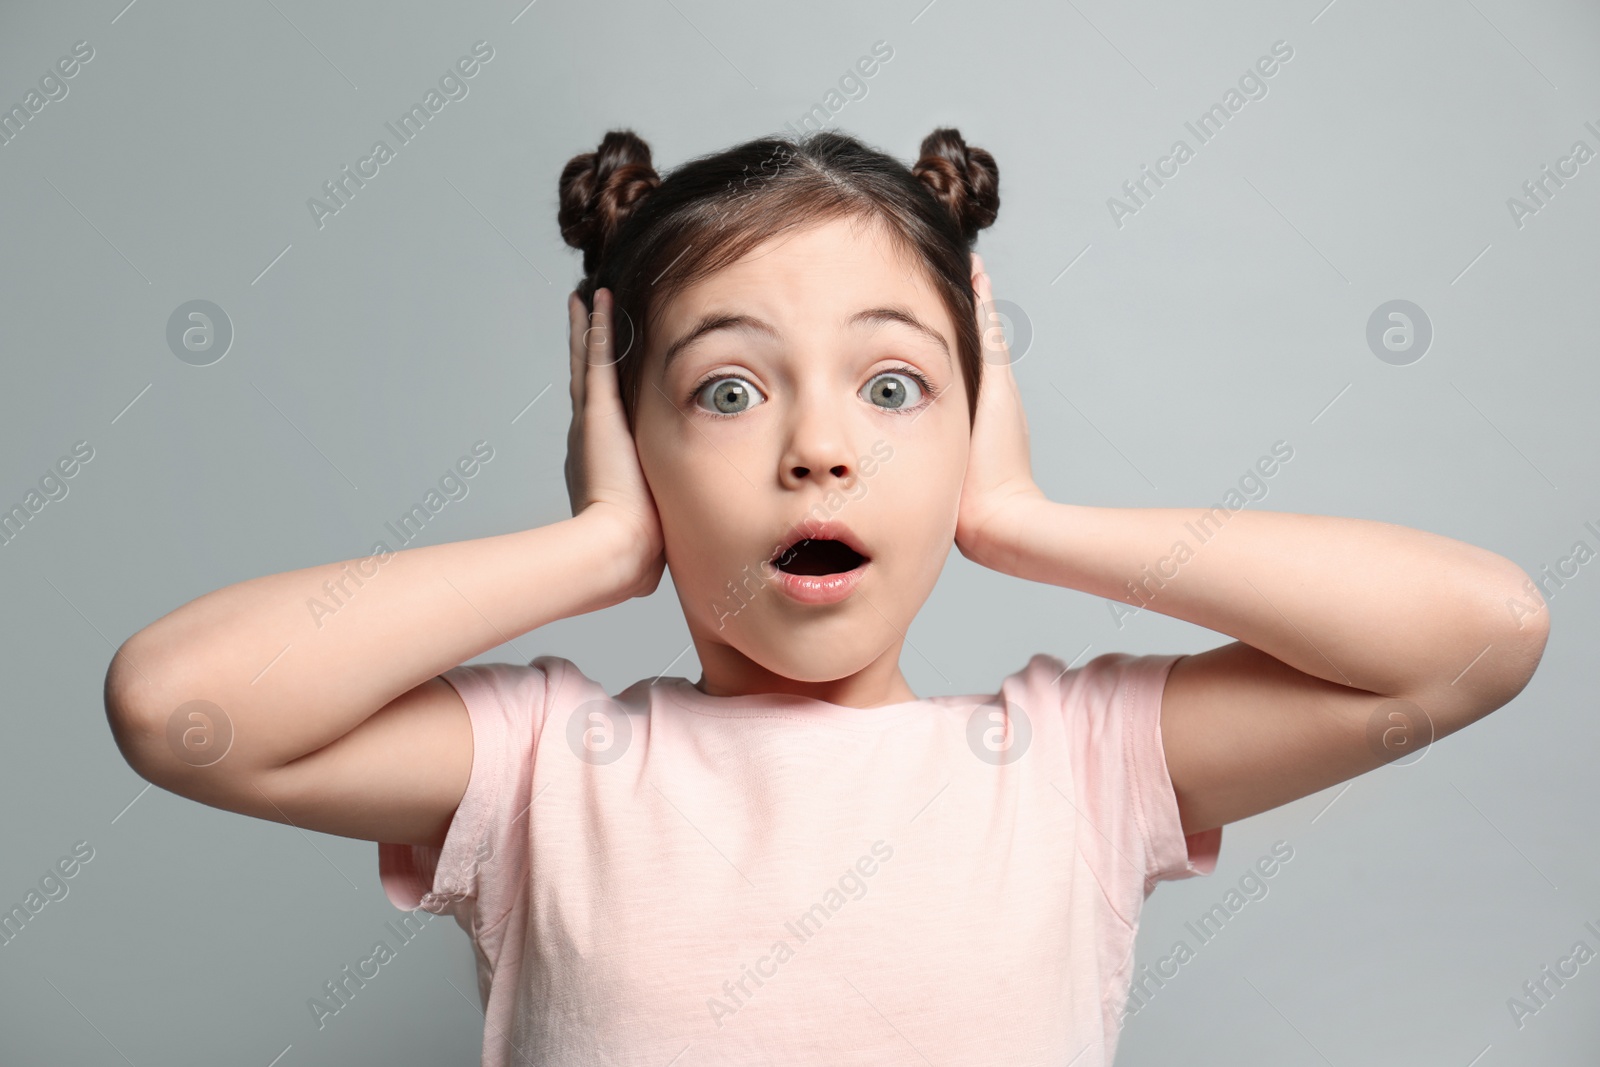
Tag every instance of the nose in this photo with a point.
(818, 445)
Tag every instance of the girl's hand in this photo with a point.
(602, 469)
(999, 482)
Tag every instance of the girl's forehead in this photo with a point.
(757, 317)
(807, 280)
(852, 245)
(834, 277)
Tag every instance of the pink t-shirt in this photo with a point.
(664, 877)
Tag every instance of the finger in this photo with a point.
(991, 331)
(601, 386)
(1004, 395)
(576, 325)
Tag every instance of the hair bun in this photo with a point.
(962, 178)
(600, 189)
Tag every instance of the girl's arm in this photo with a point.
(338, 723)
(1358, 641)
(1338, 622)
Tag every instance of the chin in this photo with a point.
(815, 653)
(808, 666)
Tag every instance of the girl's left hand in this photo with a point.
(998, 484)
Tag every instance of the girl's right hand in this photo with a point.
(603, 474)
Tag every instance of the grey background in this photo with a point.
(1229, 313)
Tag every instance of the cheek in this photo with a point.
(664, 475)
(693, 501)
(915, 492)
(933, 465)
(667, 456)
(677, 500)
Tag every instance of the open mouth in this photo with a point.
(814, 556)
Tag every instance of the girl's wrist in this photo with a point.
(1009, 536)
(620, 543)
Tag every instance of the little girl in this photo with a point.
(787, 386)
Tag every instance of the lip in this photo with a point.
(826, 530)
(822, 588)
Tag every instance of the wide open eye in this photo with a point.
(729, 395)
(896, 390)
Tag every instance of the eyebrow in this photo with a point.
(878, 316)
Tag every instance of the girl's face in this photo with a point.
(807, 408)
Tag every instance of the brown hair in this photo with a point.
(646, 238)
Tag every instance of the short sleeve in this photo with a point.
(1112, 706)
(485, 848)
